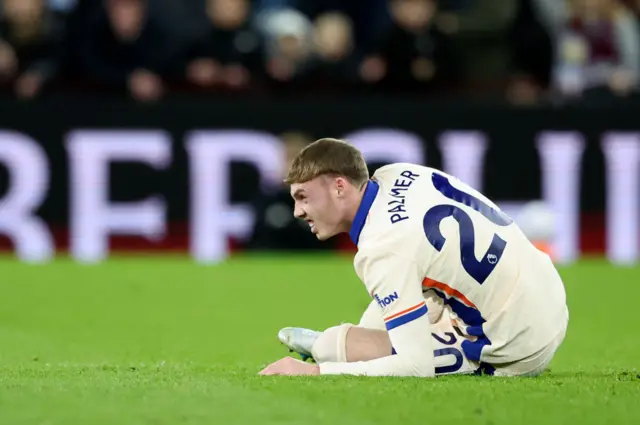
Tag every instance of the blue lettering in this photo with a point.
(395, 192)
(382, 302)
(408, 174)
(402, 183)
(399, 208)
(396, 218)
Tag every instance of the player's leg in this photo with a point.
(372, 344)
(301, 340)
(535, 364)
(349, 343)
(371, 317)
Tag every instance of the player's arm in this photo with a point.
(397, 283)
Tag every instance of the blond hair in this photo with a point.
(329, 157)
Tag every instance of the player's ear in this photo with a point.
(340, 185)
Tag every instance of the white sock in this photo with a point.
(331, 345)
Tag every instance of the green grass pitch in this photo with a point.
(165, 341)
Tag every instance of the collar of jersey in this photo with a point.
(363, 210)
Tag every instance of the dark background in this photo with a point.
(511, 162)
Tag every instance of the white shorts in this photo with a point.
(448, 354)
(536, 363)
(450, 358)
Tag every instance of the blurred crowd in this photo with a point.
(526, 50)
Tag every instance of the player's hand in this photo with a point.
(291, 367)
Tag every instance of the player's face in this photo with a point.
(318, 203)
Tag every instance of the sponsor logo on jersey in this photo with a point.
(383, 302)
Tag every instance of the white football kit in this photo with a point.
(453, 280)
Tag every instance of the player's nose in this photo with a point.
(298, 212)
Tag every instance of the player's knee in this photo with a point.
(371, 319)
(331, 345)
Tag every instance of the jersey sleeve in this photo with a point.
(395, 284)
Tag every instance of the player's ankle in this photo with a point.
(331, 345)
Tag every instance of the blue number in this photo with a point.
(449, 351)
(452, 338)
(479, 270)
(445, 352)
(442, 184)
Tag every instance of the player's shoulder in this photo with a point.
(398, 170)
(392, 226)
(406, 178)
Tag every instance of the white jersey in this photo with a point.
(419, 229)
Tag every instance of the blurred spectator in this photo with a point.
(412, 51)
(289, 48)
(228, 49)
(633, 6)
(263, 8)
(531, 57)
(597, 47)
(276, 228)
(479, 35)
(146, 47)
(454, 5)
(30, 45)
(62, 6)
(367, 17)
(337, 59)
(129, 45)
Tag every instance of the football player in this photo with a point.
(456, 287)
